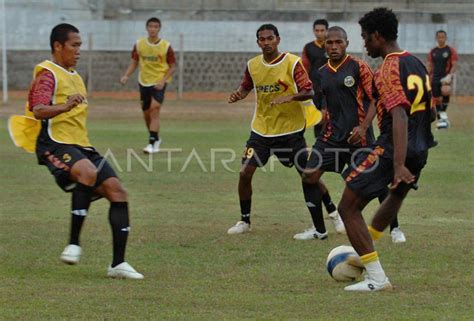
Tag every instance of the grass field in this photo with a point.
(193, 269)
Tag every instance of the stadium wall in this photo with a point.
(203, 71)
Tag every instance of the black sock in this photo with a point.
(394, 224)
(328, 204)
(153, 137)
(439, 108)
(118, 218)
(81, 200)
(245, 210)
(444, 107)
(312, 196)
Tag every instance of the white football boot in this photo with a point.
(124, 271)
(320, 236)
(337, 222)
(239, 228)
(71, 254)
(152, 148)
(398, 236)
(369, 285)
(443, 122)
(306, 235)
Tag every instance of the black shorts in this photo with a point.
(331, 156)
(289, 149)
(436, 90)
(59, 158)
(147, 93)
(372, 173)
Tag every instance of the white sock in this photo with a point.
(375, 271)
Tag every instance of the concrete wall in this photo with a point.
(203, 71)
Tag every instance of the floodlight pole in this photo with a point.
(4, 53)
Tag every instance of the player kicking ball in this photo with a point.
(58, 98)
(399, 153)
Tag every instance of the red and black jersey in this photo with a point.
(346, 92)
(403, 80)
(314, 57)
(442, 59)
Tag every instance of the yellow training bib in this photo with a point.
(69, 127)
(152, 61)
(272, 81)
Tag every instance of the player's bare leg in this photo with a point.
(350, 208)
(153, 114)
(85, 174)
(389, 209)
(114, 192)
(245, 198)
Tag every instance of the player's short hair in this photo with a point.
(340, 29)
(382, 20)
(268, 26)
(60, 33)
(153, 19)
(322, 22)
(441, 31)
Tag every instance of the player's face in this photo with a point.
(320, 32)
(268, 41)
(153, 28)
(371, 44)
(70, 51)
(336, 45)
(441, 39)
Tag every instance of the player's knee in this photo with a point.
(87, 176)
(155, 107)
(309, 178)
(119, 193)
(114, 190)
(246, 175)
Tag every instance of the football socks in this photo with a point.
(81, 200)
(245, 210)
(328, 204)
(312, 196)
(119, 221)
(153, 137)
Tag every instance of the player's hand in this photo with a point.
(235, 96)
(357, 134)
(73, 101)
(123, 80)
(402, 175)
(160, 85)
(281, 100)
(447, 79)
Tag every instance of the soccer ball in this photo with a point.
(341, 267)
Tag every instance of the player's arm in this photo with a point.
(244, 89)
(400, 144)
(358, 133)
(303, 83)
(41, 94)
(131, 67)
(454, 61)
(171, 60)
(305, 59)
(430, 64)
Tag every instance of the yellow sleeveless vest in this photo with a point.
(69, 127)
(270, 82)
(152, 61)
